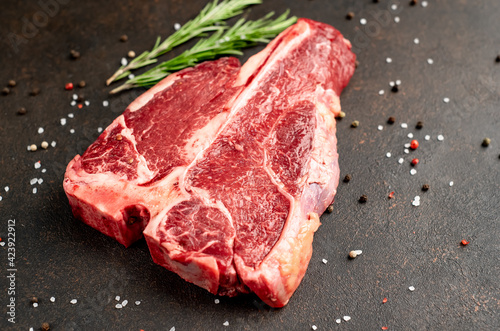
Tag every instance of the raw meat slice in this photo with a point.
(269, 174)
(225, 170)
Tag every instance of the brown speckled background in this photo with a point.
(456, 287)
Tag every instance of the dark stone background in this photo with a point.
(456, 287)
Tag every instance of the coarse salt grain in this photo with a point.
(381, 92)
(398, 82)
(63, 121)
(137, 303)
(105, 103)
(37, 165)
(424, 4)
(410, 135)
(416, 41)
(388, 60)
(172, 329)
(33, 181)
(404, 125)
(73, 103)
(440, 137)
(31, 329)
(346, 318)
(397, 19)
(407, 151)
(451, 183)
(362, 21)
(99, 129)
(87, 103)
(416, 201)
(131, 76)
(53, 144)
(358, 251)
(2, 241)
(72, 131)
(73, 301)
(394, 6)
(40, 130)
(75, 97)
(446, 100)
(6, 188)
(388, 155)
(71, 115)
(325, 261)
(391, 83)
(34, 190)
(117, 298)
(380, 127)
(411, 288)
(338, 320)
(123, 61)
(226, 323)
(430, 61)
(44, 170)
(177, 26)
(52, 299)
(407, 145)
(413, 172)
(124, 303)
(314, 327)
(401, 160)
(427, 137)
(217, 301)
(118, 306)
(40, 181)
(35, 304)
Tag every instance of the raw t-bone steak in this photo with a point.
(225, 170)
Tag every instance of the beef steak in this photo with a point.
(225, 169)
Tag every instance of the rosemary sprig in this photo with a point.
(211, 18)
(242, 34)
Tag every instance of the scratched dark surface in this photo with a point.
(456, 287)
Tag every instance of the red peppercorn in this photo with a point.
(391, 195)
(414, 144)
(414, 162)
(68, 86)
(464, 242)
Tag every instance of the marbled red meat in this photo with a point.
(225, 169)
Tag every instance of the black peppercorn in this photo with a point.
(350, 15)
(363, 199)
(35, 91)
(413, 2)
(395, 88)
(486, 142)
(497, 59)
(329, 209)
(391, 120)
(21, 111)
(82, 83)
(355, 124)
(74, 54)
(425, 187)
(5, 91)
(347, 178)
(123, 38)
(45, 326)
(12, 83)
